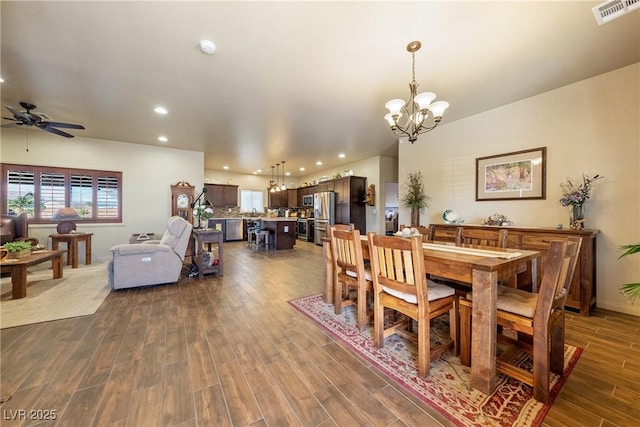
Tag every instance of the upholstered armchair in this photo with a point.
(152, 262)
(16, 228)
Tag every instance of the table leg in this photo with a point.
(19, 281)
(483, 331)
(73, 253)
(87, 250)
(57, 265)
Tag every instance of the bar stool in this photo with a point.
(263, 239)
(251, 234)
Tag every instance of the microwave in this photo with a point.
(307, 200)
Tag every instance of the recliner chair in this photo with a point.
(16, 228)
(152, 262)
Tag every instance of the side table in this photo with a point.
(72, 240)
(208, 237)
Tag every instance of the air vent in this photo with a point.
(613, 9)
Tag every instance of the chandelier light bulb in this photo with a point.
(394, 106)
(424, 100)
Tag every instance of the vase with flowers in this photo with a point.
(575, 197)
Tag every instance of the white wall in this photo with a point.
(147, 174)
(590, 127)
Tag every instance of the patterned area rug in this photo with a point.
(447, 388)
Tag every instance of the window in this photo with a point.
(42, 191)
(250, 200)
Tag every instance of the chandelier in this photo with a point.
(417, 110)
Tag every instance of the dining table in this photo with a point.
(480, 267)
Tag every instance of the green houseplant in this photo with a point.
(414, 197)
(631, 290)
(17, 249)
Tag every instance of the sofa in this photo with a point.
(151, 262)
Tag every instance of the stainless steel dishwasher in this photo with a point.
(233, 229)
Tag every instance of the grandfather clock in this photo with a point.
(181, 199)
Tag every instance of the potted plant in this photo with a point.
(414, 197)
(18, 249)
(203, 214)
(631, 290)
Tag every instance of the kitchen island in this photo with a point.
(282, 231)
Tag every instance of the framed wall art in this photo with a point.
(520, 175)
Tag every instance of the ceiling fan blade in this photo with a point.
(17, 113)
(56, 131)
(11, 125)
(62, 125)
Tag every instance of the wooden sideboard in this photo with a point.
(582, 293)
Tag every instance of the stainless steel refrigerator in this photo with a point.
(323, 214)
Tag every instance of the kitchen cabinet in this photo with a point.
(292, 198)
(222, 195)
(350, 207)
(278, 199)
(582, 291)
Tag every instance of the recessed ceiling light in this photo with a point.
(319, 163)
(342, 155)
(302, 169)
(163, 139)
(160, 110)
(207, 47)
(259, 170)
(288, 173)
(225, 167)
(1, 80)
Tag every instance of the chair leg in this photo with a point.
(378, 323)
(465, 335)
(337, 296)
(541, 367)
(557, 348)
(454, 327)
(424, 348)
(362, 308)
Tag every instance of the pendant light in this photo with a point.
(272, 184)
(284, 187)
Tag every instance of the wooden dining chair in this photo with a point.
(400, 284)
(350, 273)
(537, 318)
(472, 236)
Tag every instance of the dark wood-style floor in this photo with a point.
(232, 351)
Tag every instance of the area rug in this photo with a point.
(447, 388)
(78, 293)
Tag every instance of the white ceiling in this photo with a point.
(299, 81)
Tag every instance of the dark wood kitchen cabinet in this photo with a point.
(350, 206)
(278, 199)
(292, 197)
(222, 196)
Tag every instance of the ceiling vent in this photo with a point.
(613, 9)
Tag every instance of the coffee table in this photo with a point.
(17, 267)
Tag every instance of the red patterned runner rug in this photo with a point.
(447, 388)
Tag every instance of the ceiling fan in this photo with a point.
(40, 120)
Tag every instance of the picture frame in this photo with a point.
(520, 175)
